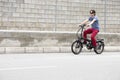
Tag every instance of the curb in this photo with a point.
(19, 50)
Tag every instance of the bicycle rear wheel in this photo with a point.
(76, 47)
(100, 48)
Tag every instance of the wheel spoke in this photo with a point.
(100, 48)
(76, 47)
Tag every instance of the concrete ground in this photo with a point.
(60, 66)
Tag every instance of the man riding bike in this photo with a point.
(94, 22)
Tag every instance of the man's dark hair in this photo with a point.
(93, 12)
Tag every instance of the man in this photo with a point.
(94, 22)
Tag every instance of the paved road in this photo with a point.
(60, 66)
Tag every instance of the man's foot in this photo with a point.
(84, 43)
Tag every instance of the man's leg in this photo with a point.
(94, 33)
(88, 31)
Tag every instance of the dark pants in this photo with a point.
(93, 33)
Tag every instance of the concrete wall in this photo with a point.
(49, 39)
(59, 15)
(54, 15)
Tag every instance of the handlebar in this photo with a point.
(81, 28)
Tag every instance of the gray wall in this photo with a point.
(43, 39)
(59, 15)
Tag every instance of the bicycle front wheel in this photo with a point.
(76, 47)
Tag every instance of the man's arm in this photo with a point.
(92, 22)
(84, 22)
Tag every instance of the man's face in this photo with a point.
(91, 14)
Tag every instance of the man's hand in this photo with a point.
(87, 25)
(80, 25)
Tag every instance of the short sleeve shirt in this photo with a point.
(95, 25)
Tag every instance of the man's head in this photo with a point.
(92, 12)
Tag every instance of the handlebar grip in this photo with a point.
(82, 25)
